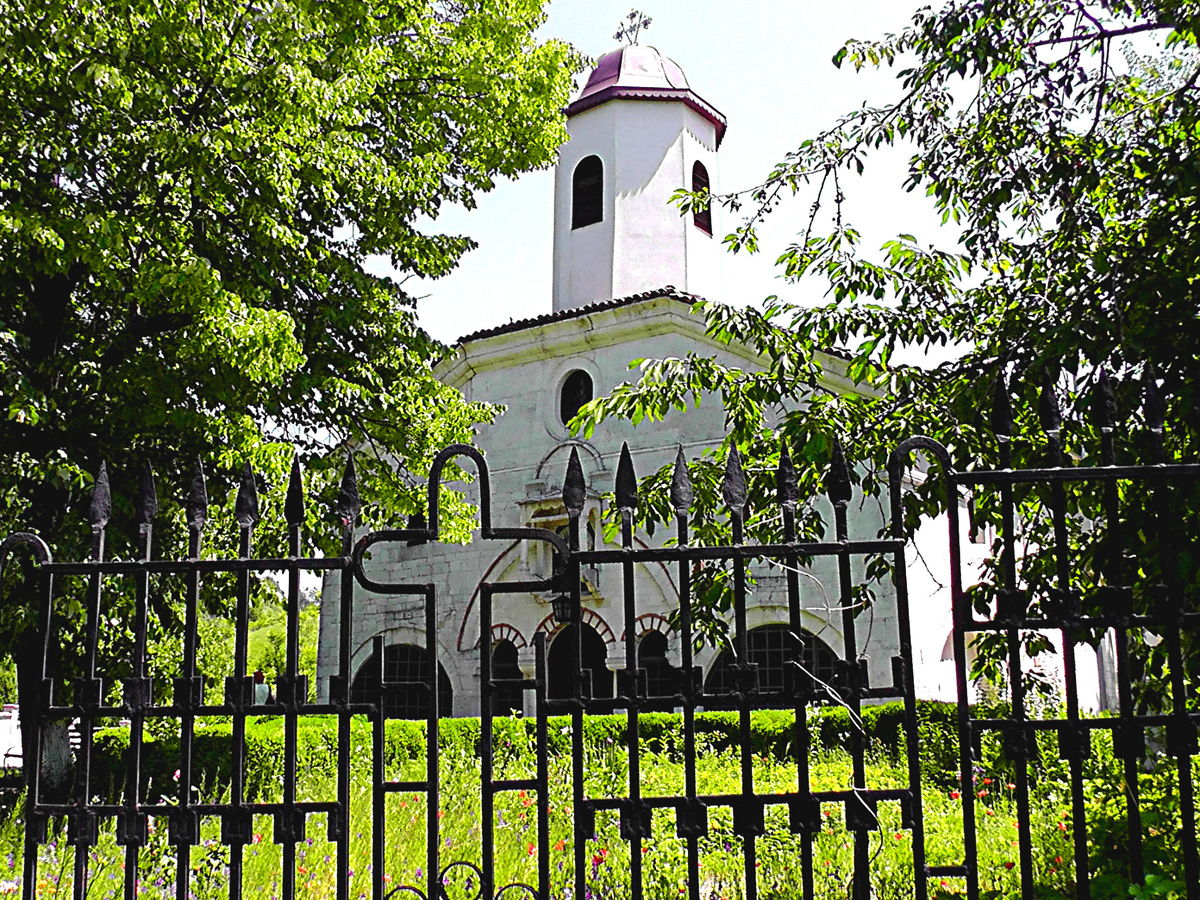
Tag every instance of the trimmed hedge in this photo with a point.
(772, 733)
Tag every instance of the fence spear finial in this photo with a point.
(574, 492)
(787, 488)
(733, 490)
(147, 507)
(626, 486)
(1002, 414)
(101, 508)
(1152, 404)
(838, 485)
(1104, 405)
(1048, 413)
(245, 508)
(348, 502)
(682, 493)
(196, 506)
(293, 504)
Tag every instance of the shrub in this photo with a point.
(772, 733)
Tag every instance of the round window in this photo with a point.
(576, 391)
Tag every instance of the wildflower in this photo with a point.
(982, 794)
(1011, 786)
(987, 781)
(1058, 859)
(560, 845)
(989, 812)
(1062, 826)
(954, 795)
(530, 849)
(1009, 865)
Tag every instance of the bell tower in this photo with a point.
(638, 134)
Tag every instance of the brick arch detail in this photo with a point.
(648, 622)
(550, 626)
(505, 632)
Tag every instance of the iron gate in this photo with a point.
(753, 816)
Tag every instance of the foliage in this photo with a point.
(188, 193)
(1062, 162)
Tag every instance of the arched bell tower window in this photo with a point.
(701, 218)
(576, 391)
(587, 192)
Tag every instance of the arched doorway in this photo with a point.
(769, 647)
(403, 663)
(662, 678)
(506, 700)
(560, 663)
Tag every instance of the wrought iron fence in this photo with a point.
(753, 816)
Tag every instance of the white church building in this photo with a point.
(627, 270)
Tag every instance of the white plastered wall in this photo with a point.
(643, 243)
(527, 451)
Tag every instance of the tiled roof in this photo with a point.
(576, 312)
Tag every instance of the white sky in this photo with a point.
(767, 67)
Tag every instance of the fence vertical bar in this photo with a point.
(137, 691)
(1067, 607)
(487, 833)
(916, 812)
(690, 820)
(347, 512)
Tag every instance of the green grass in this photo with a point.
(664, 860)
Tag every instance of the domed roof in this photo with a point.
(638, 67)
(642, 73)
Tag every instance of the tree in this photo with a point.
(1065, 156)
(188, 192)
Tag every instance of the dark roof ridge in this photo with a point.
(576, 311)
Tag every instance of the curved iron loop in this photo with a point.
(431, 530)
(486, 530)
(475, 871)
(435, 480)
(902, 455)
(516, 886)
(41, 552)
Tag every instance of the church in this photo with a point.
(627, 269)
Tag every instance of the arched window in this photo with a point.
(576, 391)
(662, 678)
(587, 192)
(404, 663)
(560, 663)
(770, 648)
(701, 218)
(507, 699)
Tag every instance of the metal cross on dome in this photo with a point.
(635, 23)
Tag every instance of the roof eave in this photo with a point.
(621, 92)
